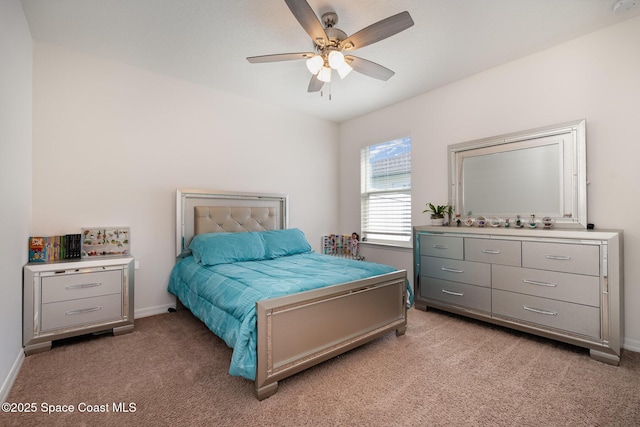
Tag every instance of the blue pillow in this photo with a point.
(224, 248)
(279, 243)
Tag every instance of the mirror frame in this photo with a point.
(573, 176)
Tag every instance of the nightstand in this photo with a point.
(69, 298)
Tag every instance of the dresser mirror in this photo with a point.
(540, 171)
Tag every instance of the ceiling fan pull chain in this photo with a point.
(322, 92)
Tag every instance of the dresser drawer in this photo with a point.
(473, 273)
(81, 285)
(64, 314)
(567, 287)
(506, 252)
(574, 318)
(570, 258)
(442, 246)
(470, 296)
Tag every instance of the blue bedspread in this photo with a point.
(224, 296)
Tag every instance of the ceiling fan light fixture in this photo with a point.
(336, 59)
(315, 63)
(324, 75)
(344, 70)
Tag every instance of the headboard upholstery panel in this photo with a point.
(210, 219)
(207, 211)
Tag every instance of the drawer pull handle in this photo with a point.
(457, 294)
(84, 285)
(441, 247)
(537, 310)
(535, 282)
(83, 311)
(451, 270)
(491, 251)
(558, 257)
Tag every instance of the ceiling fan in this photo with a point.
(331, 44)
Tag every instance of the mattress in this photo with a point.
(223, 296)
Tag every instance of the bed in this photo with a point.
(258, 285)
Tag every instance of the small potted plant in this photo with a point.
(438, 212)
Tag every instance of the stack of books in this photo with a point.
(54, 248)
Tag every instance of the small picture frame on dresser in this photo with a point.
(105, 241)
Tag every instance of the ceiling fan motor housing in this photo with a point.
(334, 35)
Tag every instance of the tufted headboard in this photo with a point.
(214, 219)
(207, 211)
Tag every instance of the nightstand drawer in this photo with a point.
(570, 258)
(505, 252)
(70, 298)
(76, 312)
(65, 287)
(442, 246)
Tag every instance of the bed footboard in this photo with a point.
(298, 331)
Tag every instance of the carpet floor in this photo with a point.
(445, 371)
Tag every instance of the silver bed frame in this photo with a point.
(296, 331)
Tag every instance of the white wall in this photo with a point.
(595, 77)
(111, 143)
(15, 182)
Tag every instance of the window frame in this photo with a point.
(397, 234)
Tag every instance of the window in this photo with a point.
(385, 191)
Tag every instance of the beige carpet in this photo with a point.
(445, 371)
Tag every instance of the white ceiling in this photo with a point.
(207, 41)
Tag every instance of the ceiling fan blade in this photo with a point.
(369, 68)
(309, 21)
(315, 84)
(280, 57)
(378, 31)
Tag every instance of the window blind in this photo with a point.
(385, 173)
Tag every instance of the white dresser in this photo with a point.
(70, 298)
(560, 284)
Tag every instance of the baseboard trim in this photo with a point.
(13, 374)
(152, 311)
